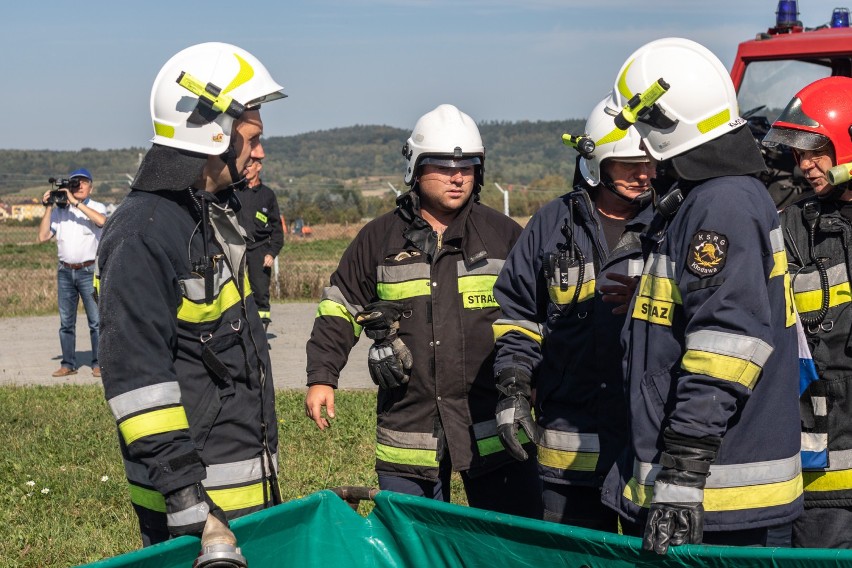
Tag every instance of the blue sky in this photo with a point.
(78, 74)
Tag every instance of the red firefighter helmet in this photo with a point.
(818, 114)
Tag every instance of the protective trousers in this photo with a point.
(514, 489)
(259, 279)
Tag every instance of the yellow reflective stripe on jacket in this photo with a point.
(730, 487)
(147, 498)
(840, 480)
(235, 498)
(477, 291)
(261, 217)
(154, 422)
(729, 498)
(192, 312)
(575, 451)
(657, 293)
(587, 286)
(779, 253)
(560, 296)
(232, 499)
(487, 441)
(398, 282)
(726, 356)
(476, 283)
(811, 301)
(722, 367)
(403, 290)
(333, 309)
(492, 445)
(503, 326)
(407, 456)
(561, 459)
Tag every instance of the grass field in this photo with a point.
(28, 286)
(65, 502)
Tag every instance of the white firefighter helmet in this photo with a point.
(217, 82)
(700, 105)
(610, 143)
(444, 136)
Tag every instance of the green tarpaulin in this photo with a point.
(404, 531)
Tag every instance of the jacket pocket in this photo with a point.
(658, 392)
(204, 413)
(225, 356)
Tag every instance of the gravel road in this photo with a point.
(30, 351)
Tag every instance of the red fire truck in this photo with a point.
(773, 67)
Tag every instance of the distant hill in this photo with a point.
(516, 153)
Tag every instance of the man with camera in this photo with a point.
(76, 220)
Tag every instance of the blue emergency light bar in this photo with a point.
(840, 18)
(787, 14)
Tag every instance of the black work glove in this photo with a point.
(513, 410)
(677, 510)
(389, 359)
(187, 510)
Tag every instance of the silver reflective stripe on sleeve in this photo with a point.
(153, 396)
(195, 514)
(730, 344)
(670, 493)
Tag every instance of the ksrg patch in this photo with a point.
(708, 253)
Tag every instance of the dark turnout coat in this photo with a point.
(446, 284)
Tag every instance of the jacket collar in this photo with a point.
(461, 234)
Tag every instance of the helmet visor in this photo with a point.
(798, 139)
(450, 162)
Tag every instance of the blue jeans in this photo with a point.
(74, 284)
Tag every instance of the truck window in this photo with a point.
(773, 83)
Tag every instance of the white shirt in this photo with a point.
(77, 237)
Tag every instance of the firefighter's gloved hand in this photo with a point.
(389, 359)
(513, 410)
(677, 510)
(187, 510)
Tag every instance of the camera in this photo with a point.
(60, 198)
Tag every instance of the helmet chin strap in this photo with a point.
(639, 201)
(238, 181)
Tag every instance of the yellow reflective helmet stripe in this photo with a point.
(244, 75)
(164, 130)
(715, 121)
(154, 422)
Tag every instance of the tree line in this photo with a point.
(320, 175)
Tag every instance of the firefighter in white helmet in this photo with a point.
(711, 354)
(418, 281)
(562, 292)
(183, 352)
